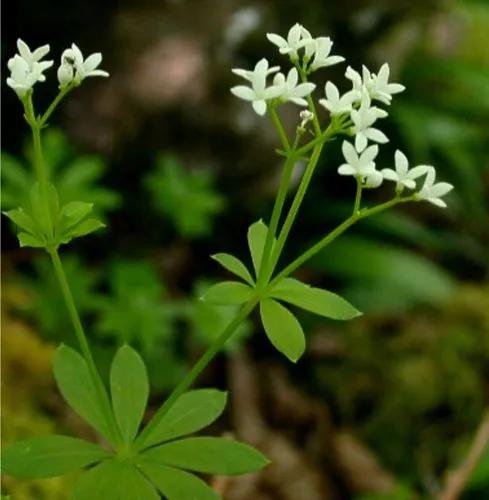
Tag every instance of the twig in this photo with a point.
(457, 479)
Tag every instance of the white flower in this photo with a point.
(363, 118)
(379, 87)
(433, 192)
(289, 88)
(335, 103)
(26, 68)
(359, 166)
(322, 57)
(402, 175)
(74, 68)
(297, 38)
(258, 93)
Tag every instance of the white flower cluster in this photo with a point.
(354, 108)
(27, 68)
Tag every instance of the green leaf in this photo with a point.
(192, 411)
(283, 329)
(257, 235)
(114, 481)
(85, 227)
(228, 292)
(177, 484)
(27, 240)
(129, 389)
(373, 269)
(22, 219)
(234, 265)
(76, 386)
(209, 455)
(315, 300)
(74, 212)
(49, 456)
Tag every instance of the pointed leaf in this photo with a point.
(257, 235)
(315, 300)
(283, 329)
(177, 484)
(22, 219)
(27, 240)
(209, 455)
(192, 411)
(234, 265)
(85, 227)
(129, 388)
(76, 386)
(228, 292)
(49, 456)
(114, 481)
(74, 212)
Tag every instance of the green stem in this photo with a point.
(323, 242)
(358, 196)
(310, 102)
(277, 122)
(44, 118)
(83, 342)
(294, 209)
(196, 370)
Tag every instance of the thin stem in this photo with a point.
(83, 342)
(323, 242)
(294, 209)
(276, 213)
(44, 118)
(277, 122)
(310, 102)
(197, 369)
(358, 196)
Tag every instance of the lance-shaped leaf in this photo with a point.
(83, 228)
(283, 329)
(257, 235)
(76, 386)
(23, 220)
(114, 481)
(192, 411)
(234, 265)
(49, 456)
(209, 455)
(74, 212)
(28, 240)
(177, 484)
(129, 388)
(315, 300)
(228, 292)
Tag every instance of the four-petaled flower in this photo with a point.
(258, 93)
(363, 118)
(402, 175)
(26, 68)
(74, 68)
(289, 88)
(361, 166)
(297, 38)
(322, 57)
(433, 192)
(336, 104)
(378, 85)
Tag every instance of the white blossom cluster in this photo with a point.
(27, 67)
(355, 107)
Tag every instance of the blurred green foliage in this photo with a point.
(76, 177)
(187, 198)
